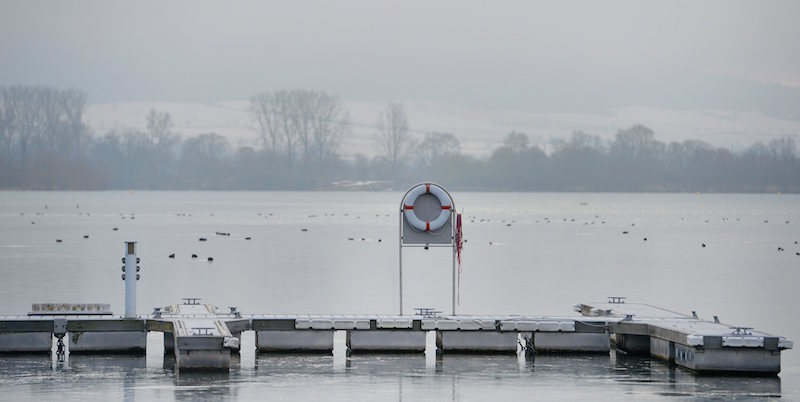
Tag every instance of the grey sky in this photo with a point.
(561, 56)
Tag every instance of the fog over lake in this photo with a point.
(524, 254)
(615, 148)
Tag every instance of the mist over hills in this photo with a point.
(721, 75)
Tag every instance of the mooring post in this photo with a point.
(130, 276)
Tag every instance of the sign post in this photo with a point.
(427, 219)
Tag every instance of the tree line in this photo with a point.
(45, 144)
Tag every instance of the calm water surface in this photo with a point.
(525, 254)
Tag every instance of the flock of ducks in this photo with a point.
(472, 219)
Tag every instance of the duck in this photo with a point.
(172, 255)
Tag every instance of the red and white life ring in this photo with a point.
(411, 216)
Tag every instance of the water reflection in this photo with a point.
(205, 386)
(665, 379)
(377, 377)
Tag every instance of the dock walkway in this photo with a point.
(201, 336)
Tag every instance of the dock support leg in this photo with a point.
(439, 349)
(169, 343)
(528, 346)
(347, 349)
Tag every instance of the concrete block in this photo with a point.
(26, 342)
(549, 326)
(321, 323)
(107, 342)
(477, 341)
(572, 342)
(302, 323)
(526, 326)
(635, 344)
(394, 323)
(743, 341)
(662, 349)
(428, 325)
(729, 360)
(314, 341)
(695, 340)
(348, 323)
(467, 325)
(386, 341)
(186, 360)
(566, 326)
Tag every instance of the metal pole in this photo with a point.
(453, 239)
(130, 279)
(400, 252)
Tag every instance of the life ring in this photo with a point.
(411, 216)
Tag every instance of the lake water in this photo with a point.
(526, 253)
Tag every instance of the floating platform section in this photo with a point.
(201, 337)
(95, 335)
(22, 334)
(698, 345)
(454, 334)
(388, 334)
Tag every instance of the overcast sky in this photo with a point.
(563, 56)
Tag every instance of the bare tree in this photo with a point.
(436, 146)
(6, 118)
(300, 123)
(264, 108)
(393, 139)
(636, 142)
(516, 142)
(159, 126)
(42, 119)
(329, 121)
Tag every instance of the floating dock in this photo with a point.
(202, 337)
(698, 345)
